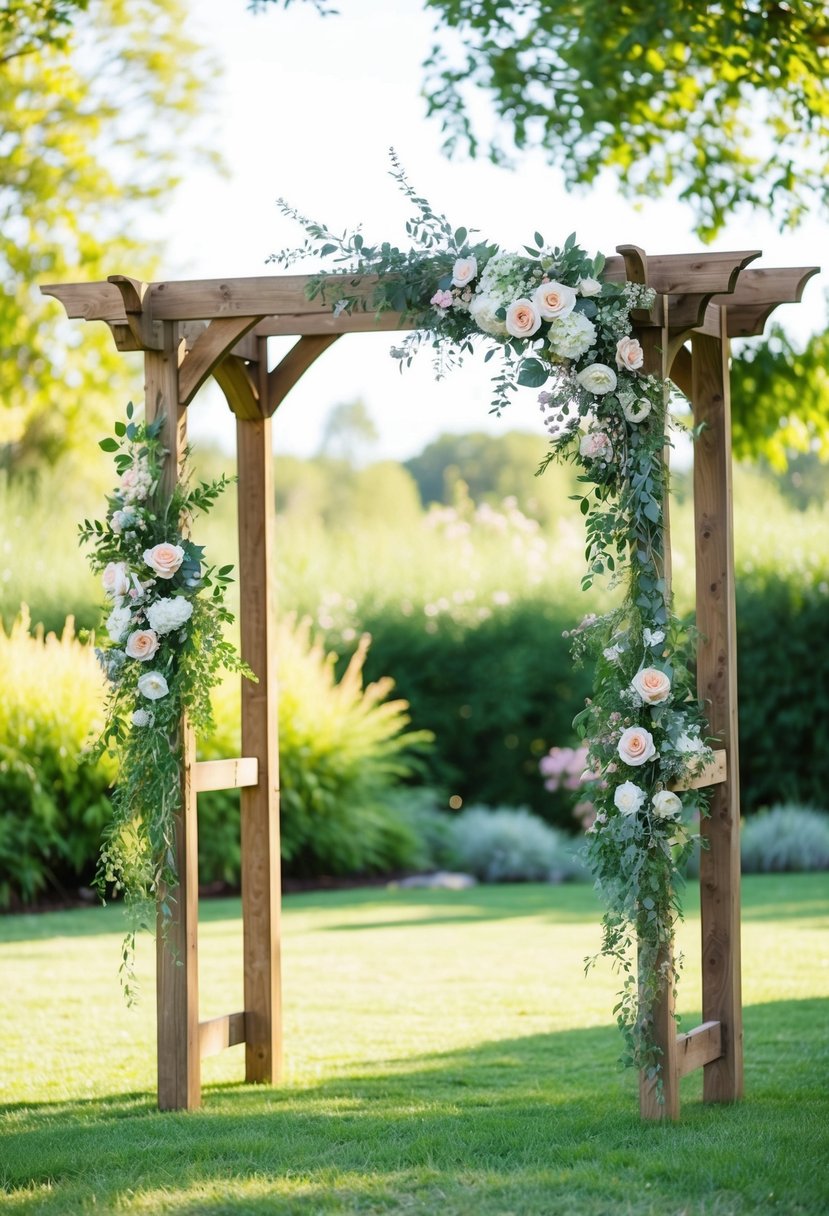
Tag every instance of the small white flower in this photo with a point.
(153, 686)
(141, 718)
(653, 637)
(611, 653)
(666, 805)
(689, 745)
(588, 287)
(340, 307)
(598, 379)
(629, 797)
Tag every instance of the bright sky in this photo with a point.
(306, 108)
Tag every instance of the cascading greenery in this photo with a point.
(560, 327)
(164, 652)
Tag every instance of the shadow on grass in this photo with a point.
(518, 1125)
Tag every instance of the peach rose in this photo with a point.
(554, 300)
(464, 271)
(629, 354)
(164, 559)
(142, 644)
(522, 320)
(116, 579)
(636, 745)
(653, 685)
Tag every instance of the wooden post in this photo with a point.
(261, 877)
(177, 993)
(717, 684)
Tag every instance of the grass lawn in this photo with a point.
(444, 1054)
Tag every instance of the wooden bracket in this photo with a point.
(239, 387)
(135, 297)
(208, 350)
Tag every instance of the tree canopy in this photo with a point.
(94, 95)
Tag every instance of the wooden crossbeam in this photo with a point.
(226, 774)
(216, 1034)
(682, 273)
(698, 1047)
(714, 773)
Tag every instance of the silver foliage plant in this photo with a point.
(551, 322)
(163, 653)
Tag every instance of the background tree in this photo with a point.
(92, 118)
(349, 431)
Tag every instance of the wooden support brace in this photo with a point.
(208, 350)
(226, 774)
(294, 365)
(713, 774)
(698, 1047)
(217, 1034)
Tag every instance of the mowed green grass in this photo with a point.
(444, 1054)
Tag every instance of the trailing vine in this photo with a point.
(555, 324)
(164, 650)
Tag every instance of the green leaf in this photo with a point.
(109, 445)
(532, 374)
(539, 240)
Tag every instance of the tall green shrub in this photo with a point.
(53, 801)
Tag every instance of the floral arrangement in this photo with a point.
(164, 650)
(558, 326)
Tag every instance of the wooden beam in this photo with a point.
(698, 1047)
(713, 774)
(226, 774)
(717, 687)
(217, 1034)
(294, 365)
(327, 323)
(209, 348)
(260, 803)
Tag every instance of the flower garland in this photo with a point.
(162, 656)
(559, 326)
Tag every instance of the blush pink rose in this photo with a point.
(636, 745)
(554, 300)
(142, 644)
(653, 685)
(164, 559)
(629, 354)
(116, 579)
(522, 320)
(464, 271)
(596, 445)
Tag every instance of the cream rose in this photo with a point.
(629, 354)
(629, 798)
(554, 300)
(522, 320)
(464, 271)
(598, 379)
(116, 579)
(653, 685)
(142, 644)
(588, 287)
(636, 746)
(636, 411)
(153, 686)
(666, 805)
(164, 559)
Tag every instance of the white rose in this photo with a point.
(596, 446)
(483, 309)
(554, 300)
(652, 685)
(598, 379)
(152, 685)
(165, 615)
(629, 354)
(118, 623)
(165, 559)
(666, 805)
(116, 579)
(636, 746)
(522, 319)
(629, 798)
(464, 271)
(588, 287)
(636, 411)
(141, 718)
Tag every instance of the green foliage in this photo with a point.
(92, 118)
(344, 748)
(502, 844)
(785, 839)
(53, 795)
(780, 398)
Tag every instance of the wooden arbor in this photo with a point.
(191, 330)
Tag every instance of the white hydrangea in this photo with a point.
(141, 718)
(168, 614)
(118, 623)
(572, 336)
(483, 309)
